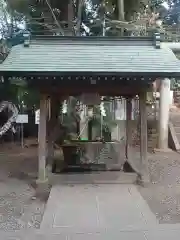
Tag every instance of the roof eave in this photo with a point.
(88, 73)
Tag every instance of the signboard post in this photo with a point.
(37, 118)
(21, 119)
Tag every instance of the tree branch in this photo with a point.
(54, 16)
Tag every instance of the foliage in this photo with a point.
(91, 17)
(175, 84)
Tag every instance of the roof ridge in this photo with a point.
(154, 40)
(91, 38)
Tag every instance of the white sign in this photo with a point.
(22, 118)
(120, 112)
(37, 116)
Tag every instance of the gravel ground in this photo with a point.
(163, 194)
(20, 208)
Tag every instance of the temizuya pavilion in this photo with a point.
(63, 66)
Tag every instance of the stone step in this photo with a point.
(114, 177)
(177, 129)
(175, 123)
(178, 136)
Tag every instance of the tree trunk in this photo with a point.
(120, 9)
(79, 16)
(131, 7)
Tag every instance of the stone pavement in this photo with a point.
(166, 232)
(156, 232)
(93, 208)
(97, 212)
(126, 235)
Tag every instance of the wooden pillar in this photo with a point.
(144, 175)
(128, 126)
(42, 140)
(53, 120)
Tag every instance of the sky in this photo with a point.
(165, 4)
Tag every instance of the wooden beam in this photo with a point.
(101, 90)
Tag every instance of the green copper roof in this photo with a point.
(78, 54)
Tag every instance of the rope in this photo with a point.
(85, 125)
(11, 107)
(101, 122)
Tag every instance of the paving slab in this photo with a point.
(162, 234)
(91, 209)
(96, 236)
(154, 233)
(110, 235)
(104, 235)
(127, 235)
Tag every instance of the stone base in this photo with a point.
(42, 182)
(106, 177)
(163, 150)
(42, 189)
(42, 185)
(143, 180)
